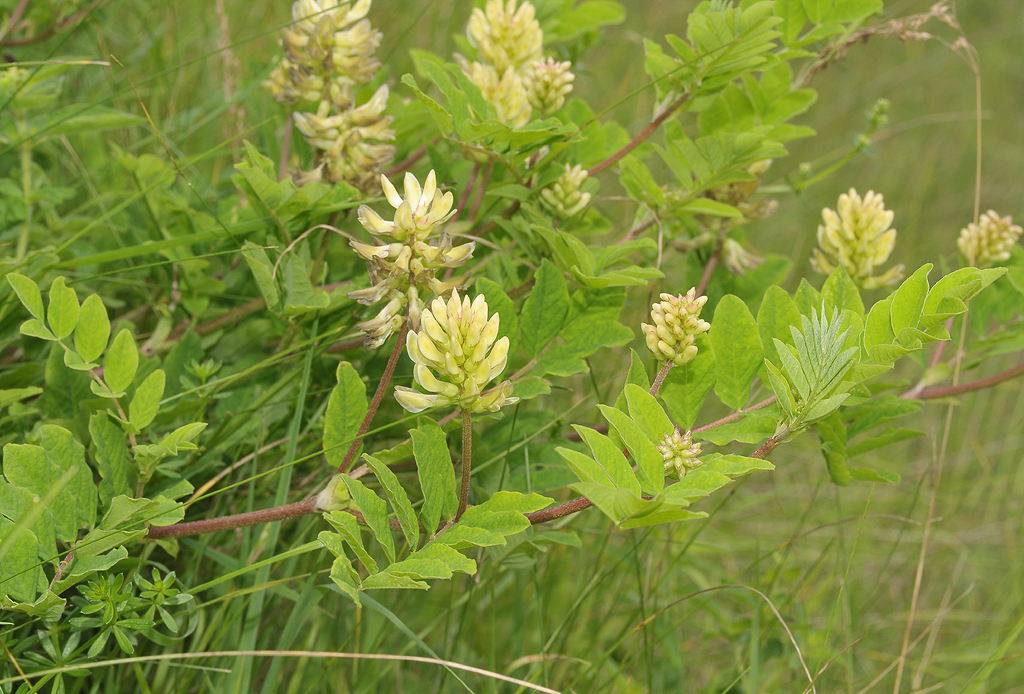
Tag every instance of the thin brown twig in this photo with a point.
(482, 190)
(378, 396)
(53, 28)
(641, 136)
(734, 416)
(238, 520)
(407, 162)
(948, 391)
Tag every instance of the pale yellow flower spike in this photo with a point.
(677, 323)
(562, 197)
(857, 235)
(418, 248)
(505, 36)
(990, 240)
(456, 354)
(680, 453)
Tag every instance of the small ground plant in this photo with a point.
(424, 332)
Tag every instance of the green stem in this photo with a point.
(467, 462)
(26, 187)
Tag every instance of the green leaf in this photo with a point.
(375, 512)
(262, 270)
(686, 386)
(752, 428)
(775, 316)
(437, 474)
(121, 363)
(20, 572)
(908, 300)
(38, 468)
(610, 457)
(832, 434)
(648, 415)
(738, 351)
(839, 291)
(399, 499)
(737, 465)
(713, 208)
(650, 463)
(28, 292)
(807, 298)
(93, 330)
(585, 468)
(146, 401)
(62, 313)
(435, 561)
(887, 437)
(348, 528)
(437, 112)
(111, 453)
(544, 310)
(345, 412)
(866, 474)
(34, 328)
(345, 577)
(879, 411)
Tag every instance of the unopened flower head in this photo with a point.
(990, 240)
(563, 197)
(456, 354)
(680, 453)
(857, 236)
(677, 323)
(547, 83)
(737, 258)
(328, 48)
(506, 36)
(399, 269)
(504, 90)
(353, 141)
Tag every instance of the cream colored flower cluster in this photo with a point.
(680, 453)
(512, 73)
(458, 342)
(400, 269)
(563, 197)
(677, 323)
(990, 240)
(328, 51)
(857, 235)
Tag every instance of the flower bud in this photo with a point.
(680, 453)
(677, 323)
(547, 83)
(988, 241)
(504, 90)
(456, 354)
(737, 258)
(504, 36)
(857, 236)
(563, 197)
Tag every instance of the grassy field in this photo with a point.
(850, 574)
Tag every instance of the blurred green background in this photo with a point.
(838, 564)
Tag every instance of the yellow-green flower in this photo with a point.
(353, 140)
(409, 262)
(504, 36)
(857, 236)
(738, 259)
(504, 90)
(990, 240)
(563, 197)
(677, 323)
(456, 354)
(680, 453)
(547, 83)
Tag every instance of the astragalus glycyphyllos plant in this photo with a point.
(362, 404)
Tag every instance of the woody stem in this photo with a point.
(378, 396)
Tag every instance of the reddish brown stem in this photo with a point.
(239, 520)
(709, 269)
(660, 378)
(641, 136)
(286, 148)
(467, 462)
(378, 396)
(481, 190)
(932, 393)
(407, 162)
(637, 230)
(735, 415)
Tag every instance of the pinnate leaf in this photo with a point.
(93, 330)
(121, 363)
(738, 351)
(62, 313)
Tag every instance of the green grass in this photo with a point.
(623, 613)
